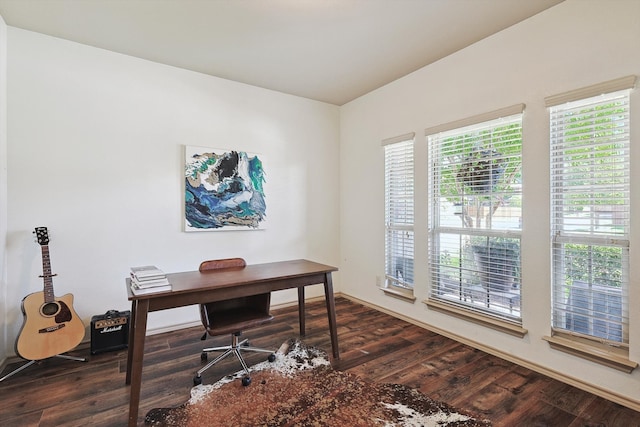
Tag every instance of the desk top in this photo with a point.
(196, 281)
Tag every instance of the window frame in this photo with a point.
(399, 194)
(490, 317)
(566, 333)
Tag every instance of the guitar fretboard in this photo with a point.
(46, 275)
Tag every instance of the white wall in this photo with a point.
(3, 189)
(95, 153)
(574, 44)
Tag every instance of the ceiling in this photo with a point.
(328, 50)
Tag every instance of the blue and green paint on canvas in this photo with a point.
(224, 189)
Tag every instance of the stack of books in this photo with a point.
(148, 279)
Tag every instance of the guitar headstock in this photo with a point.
(42, 235)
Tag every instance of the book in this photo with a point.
(144, 291)
(151, 283)
(147, 272)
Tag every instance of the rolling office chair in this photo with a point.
(232, 317)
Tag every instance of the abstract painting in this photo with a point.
(224, 190)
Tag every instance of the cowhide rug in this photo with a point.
(301, 389)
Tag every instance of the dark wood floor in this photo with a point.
(373, 345)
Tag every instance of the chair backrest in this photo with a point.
(217, 264)
(232, 315)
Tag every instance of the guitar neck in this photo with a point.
(46, 275)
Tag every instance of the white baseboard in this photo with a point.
(3, 364)
(171, 328)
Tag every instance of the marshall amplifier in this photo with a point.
(110, 331)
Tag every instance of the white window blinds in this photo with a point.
(475, 218)
(590, 216)
(399, 234)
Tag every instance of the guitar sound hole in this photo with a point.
(50, 309)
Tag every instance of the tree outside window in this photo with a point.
(475, 221)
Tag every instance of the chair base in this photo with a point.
(236, 348)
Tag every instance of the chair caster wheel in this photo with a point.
(246, 381)
(271, 358)
(203, 356)
(197, 380)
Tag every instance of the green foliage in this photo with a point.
(479, 171)
(470, 161)
(593, 150)
(593, 264)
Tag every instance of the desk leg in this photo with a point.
(331, 313)
(134, 359)
(131, 347)
(301, 311)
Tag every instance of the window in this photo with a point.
(475, 214)
(398, 185)
(590, 216)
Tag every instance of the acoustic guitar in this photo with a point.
(51, 326)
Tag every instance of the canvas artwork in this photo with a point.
(224, 190)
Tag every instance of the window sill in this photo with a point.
(403, 295)
(498, 325)
(612, 357)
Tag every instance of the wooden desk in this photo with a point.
(194, 287)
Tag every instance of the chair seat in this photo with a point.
(232, 321)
